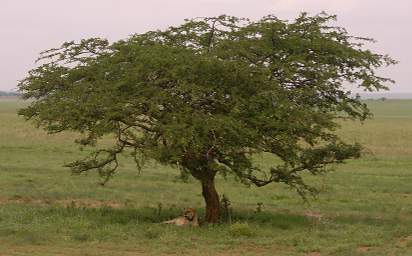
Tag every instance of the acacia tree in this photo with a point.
(208, 95)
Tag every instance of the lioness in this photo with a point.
(189, 218)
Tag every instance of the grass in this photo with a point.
(365, 207)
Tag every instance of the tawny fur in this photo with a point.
(189, 218)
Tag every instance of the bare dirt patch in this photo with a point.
(119, 250)
(69, 251)
(313, 215)
(252, 249)
(77, 203)
(363, 249)
(406, 195)
(405, 241)
(313, 254)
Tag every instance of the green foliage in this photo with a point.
(209, 94)
(240, 229)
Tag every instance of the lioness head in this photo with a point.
(189, 214)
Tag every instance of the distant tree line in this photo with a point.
(2, 93)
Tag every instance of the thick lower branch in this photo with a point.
(105, 165)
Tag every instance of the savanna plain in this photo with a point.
(364, 208)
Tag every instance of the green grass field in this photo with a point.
(365, 207)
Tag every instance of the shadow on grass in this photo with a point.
(26, 214)
(127, 216)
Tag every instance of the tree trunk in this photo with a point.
(211, 199)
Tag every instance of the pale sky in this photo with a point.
(29, 26)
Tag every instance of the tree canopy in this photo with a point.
(208, 95)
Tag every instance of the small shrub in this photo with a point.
(81, 237)
(241, 229)
(226, 210)
(152, 233)
(259, 207)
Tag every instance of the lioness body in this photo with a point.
(189, 218)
